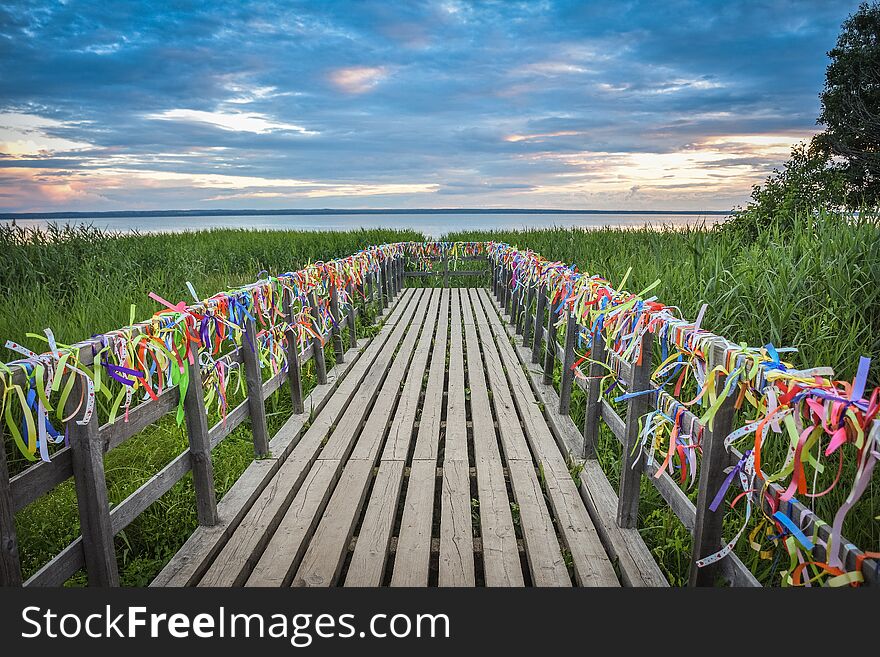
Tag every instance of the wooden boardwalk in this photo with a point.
(430, 463)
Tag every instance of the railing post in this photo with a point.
(200, 446)
(493, 265)
(401, 274)
(708, 524)
(389, 286)
(294, 371)
(528, 322)
(352, 317)
(538, 333)
(594, 382)
(571, 329)
(254, 380)
(91, 488)
(370, 291)
(514, 308)
(632, 461)
(10, 564)
(380, 283)
(317, 342)
(550, 350)
(445, 269)
(508, 292)
(336, 326)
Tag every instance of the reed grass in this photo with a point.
(816, 287)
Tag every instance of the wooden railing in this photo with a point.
(84, 458)
(532, 318)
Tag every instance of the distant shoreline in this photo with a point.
(336, 211)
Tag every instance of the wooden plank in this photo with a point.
(637, 565)
(290, 542)
(595, 373)
(234, 562)
(538, 327)
(591, 564)
(428, 437)
(529, 323)
(200, 447)
(411, 559)
(323, 558)
(400, 435)
(634, 560)
(190, 562)
(708, 523)
(40, 478)
(456, 533)
(352, 317)
(10, 566)
(91, 489)
(455, 448)
(501, 563)
(61, 568)
(551, 345)
(543, 551)
(336, 327)
(371, 550)
(291, 348)
(381, 387)
(317, 343)
(632, 461)
(571, 329)
(254, 381)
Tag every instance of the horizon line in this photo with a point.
(220, 212)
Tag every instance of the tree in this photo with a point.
(805, 187)
(851, 105)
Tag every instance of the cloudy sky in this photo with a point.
(605, 105)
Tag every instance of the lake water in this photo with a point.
(433, 225)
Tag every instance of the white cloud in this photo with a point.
(26, 134)
(232, 121)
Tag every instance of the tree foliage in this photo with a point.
(851, 105)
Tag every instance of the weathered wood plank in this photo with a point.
(290, 542)
(254, 380)
(543, 552)
(632, 461)
(591, 564)
(400, 435)
(593, 384)
(456, 534)
(501, 563)
(196, 419)
(708, 523)
(636, 564)
(571, 329)
(194, 557)
(413, 546)
(234, 562)
(317, 342)
(10, 566)
(91, 489)
(428, 437)
(371, 550)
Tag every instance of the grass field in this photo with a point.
(815, 288)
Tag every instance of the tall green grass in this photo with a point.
(80, 281)
(810, 283)
(815, 287)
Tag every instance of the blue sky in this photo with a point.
(605, 105)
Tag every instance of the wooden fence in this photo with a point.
(534, 321)
(83, 459)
